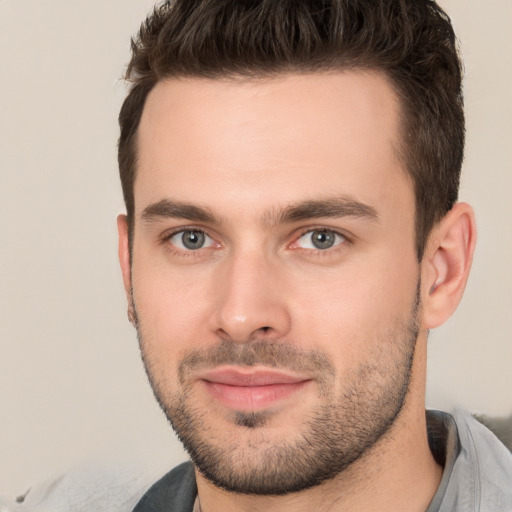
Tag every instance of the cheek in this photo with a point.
(345, 312)
(172, 307)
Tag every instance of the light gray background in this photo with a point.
(72, 388)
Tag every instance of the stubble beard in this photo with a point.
(337, 432)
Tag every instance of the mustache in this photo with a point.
(253, 353)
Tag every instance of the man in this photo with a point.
(290, 171)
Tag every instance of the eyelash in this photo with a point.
(166, 237)
(323, 252)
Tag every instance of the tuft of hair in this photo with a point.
(411, 42)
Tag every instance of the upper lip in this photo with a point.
(248, 377)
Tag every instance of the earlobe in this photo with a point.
(446, 264)
(124, 261)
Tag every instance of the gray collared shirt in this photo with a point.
(477, 474)
(477, 477)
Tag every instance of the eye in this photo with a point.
(320, 239)
(191, 240)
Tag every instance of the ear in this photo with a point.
(446, 264)
(124, 261)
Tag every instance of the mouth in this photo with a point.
(251, 389)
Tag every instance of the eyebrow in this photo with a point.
(335, 207)
(177, 210)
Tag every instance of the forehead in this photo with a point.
(283, 138)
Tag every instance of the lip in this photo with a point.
(251, 389)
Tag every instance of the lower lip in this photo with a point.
(251, 398)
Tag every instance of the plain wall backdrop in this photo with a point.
(72, 387)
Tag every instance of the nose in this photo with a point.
(250, 299)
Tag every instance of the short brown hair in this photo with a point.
(410, 41)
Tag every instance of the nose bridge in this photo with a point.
(249, 299)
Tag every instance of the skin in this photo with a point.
(245, 151)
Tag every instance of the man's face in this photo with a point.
(274, 273)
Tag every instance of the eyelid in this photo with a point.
(170, 233)
(310, 229)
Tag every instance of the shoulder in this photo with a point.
(486, 463)
(175, 491)
(500, 427)
(87, 488)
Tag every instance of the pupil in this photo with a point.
(322, 239)
(193, 239)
